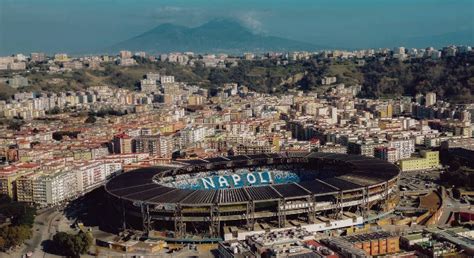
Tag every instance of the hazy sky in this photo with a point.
(87, 25)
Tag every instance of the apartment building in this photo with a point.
(428, 160)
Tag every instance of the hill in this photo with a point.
(217, 36)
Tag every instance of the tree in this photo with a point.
(72, 245)
(21, 213)
(83, 241)
(90, 120)
(12, 236)
(54, 111)
(15, 124)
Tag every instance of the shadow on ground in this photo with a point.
(48, 247)
(92, 210)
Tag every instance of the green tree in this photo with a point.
(12, 236)
(15, 124)
(82, 241)
(72, 245)
(90, 120)
(21, 213)
(54, 111)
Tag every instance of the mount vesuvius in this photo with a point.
(216, 36)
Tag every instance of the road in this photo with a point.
(451, 205)
(420, 182)
(45, 226)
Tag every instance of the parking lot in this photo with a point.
(422, 181)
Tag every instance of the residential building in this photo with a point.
(428, 160)
(38, 57)
(386, 153)
(404, 147)
(122, 143)
(430, 99)
(148, 85)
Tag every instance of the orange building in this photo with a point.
(376, 243)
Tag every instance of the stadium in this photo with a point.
(201, 197)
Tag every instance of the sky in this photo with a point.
(82, 26)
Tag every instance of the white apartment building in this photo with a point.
(404, 148)
(90, 175)
(167, 79)
(166, 146)
(192, 135)
(148, 85)
(430, 99)
(153, 76)
(112, 168)
(51, 189)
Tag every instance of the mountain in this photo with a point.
(220, 35)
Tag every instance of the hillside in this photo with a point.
(451, 78)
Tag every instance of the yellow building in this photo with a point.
(167, 128)
(385, 111)
(195, 100)
(7, 180)
(389, 124)
(428, 160)
(82, 155)
(276, 143)
(24, 188)
(61, 57)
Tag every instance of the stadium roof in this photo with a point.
(354, 172)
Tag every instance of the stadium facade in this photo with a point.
(202, 196)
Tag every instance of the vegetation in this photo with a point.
(21, 221)
(59, 135)
(12, 124)
(90, 119)
(71, 245)
(451, 78)
(6, 92)
(11, 236)
(106, 112)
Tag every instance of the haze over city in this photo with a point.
(86, 26)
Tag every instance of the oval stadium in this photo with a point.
(219, 197)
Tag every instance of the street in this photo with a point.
(46, 224)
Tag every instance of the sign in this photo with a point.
(235, 180)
